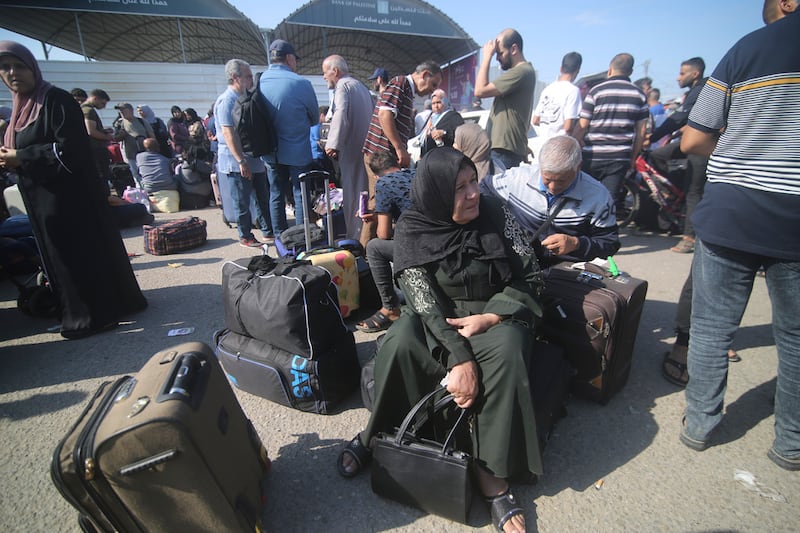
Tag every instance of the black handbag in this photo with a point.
(424, 473)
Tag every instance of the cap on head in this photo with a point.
(124, 105)
(381, 73)
(283, 48)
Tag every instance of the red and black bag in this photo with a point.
(175, 236)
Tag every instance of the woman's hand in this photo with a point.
(8, 158)
(474, 324)
(462, 383)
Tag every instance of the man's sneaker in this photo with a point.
(249, 242)
(267, 239)
(695, 444)
(787, 463)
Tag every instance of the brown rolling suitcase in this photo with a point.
(168, 449)
(595, 317)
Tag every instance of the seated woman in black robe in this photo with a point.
(471, 289)
(47, 145)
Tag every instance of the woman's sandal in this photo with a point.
(361, 457)
(503, 508)
(375, 323)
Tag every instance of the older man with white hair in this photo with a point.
(351, 112)
(585, 226)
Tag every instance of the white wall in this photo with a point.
(159, 85)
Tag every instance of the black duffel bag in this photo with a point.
(292, 305)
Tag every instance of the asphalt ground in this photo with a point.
(618, 467)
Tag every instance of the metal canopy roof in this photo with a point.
(396, 35)
(393, 34)
(179, 31)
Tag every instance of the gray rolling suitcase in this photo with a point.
(168, 449)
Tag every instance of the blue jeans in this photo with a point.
(723, 280)
(280, 178)
(241, 190)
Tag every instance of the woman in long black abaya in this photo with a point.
(47, 145)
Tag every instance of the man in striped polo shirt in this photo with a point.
(392, 125)
(747, 119)
(612, 126)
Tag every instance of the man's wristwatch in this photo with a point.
(241, 162)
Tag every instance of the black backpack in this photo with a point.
(254, 124)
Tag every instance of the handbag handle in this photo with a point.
(439, 405)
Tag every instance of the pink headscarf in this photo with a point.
(26, 107)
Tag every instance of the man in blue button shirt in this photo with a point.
(245, 175)
(293, 106)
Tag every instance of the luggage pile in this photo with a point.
(285, 338)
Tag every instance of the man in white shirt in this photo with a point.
(560, 102)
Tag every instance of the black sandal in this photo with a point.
(360, 454)
(503, 508)
(375, 323)
(682, 368)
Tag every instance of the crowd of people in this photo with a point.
(454, 232)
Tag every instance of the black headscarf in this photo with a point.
(426, 232)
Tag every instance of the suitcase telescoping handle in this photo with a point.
(186, 380)
(311, 175)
